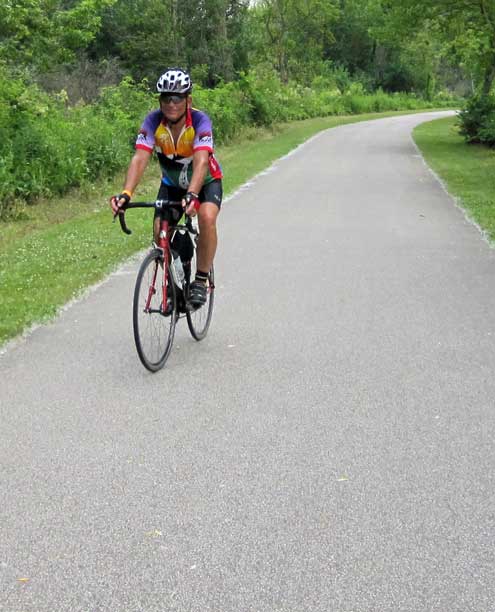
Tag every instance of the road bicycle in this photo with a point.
(161, 293)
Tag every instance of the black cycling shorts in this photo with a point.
(212, 192)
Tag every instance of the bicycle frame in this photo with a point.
(156, 310)
(152, 292)
(163, 242)
(164, 246)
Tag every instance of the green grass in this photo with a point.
(467, 170)
(59, 247)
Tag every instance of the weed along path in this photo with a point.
(328, 447)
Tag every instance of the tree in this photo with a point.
(142, 34)
(148, 35)
(354, 46)
(297, 33)
(211, 32)
(466, 27)
(41, 33)
(239, 31)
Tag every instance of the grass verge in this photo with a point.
(56, 249)
(467, 170)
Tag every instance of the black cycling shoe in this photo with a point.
(197, 293)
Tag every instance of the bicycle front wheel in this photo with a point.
(198, 320)
(153, 321)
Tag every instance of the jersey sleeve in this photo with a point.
(146, 136)
(203, 138)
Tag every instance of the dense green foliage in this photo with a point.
(83, 44)
(477, 120)
(40, 33)
(463, 31)
(76, 77)
(46, 147)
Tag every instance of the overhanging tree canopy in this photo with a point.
(467, 28)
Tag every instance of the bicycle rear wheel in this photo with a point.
(199, 319)
(153, 321)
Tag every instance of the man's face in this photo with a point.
(173, 106)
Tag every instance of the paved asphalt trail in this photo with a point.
(329, 446)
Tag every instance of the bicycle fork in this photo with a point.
(163, 246)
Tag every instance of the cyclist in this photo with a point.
(183, 140)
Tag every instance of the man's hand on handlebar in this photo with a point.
(117, 201)
(191, 203)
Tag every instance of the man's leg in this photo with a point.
(163, 194)
(207, 243)
(156, 229)
(207, 246)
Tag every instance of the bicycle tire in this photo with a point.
(153, 329)
(199, 319)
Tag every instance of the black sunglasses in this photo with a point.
(175, 98)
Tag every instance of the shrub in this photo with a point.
(477, 120)
(228, 107)
(46, 148)
(487, 132)
(262, 88)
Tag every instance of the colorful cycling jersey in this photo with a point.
(176, 158)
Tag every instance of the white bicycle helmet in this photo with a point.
(175, 80)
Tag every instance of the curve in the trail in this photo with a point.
(328, 447)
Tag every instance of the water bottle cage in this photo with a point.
(177, 269)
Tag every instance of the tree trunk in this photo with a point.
(489, 74)
(489, 77)
(174, 29)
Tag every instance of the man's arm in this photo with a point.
(136, 169)
(200, 167)
(134, 175)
